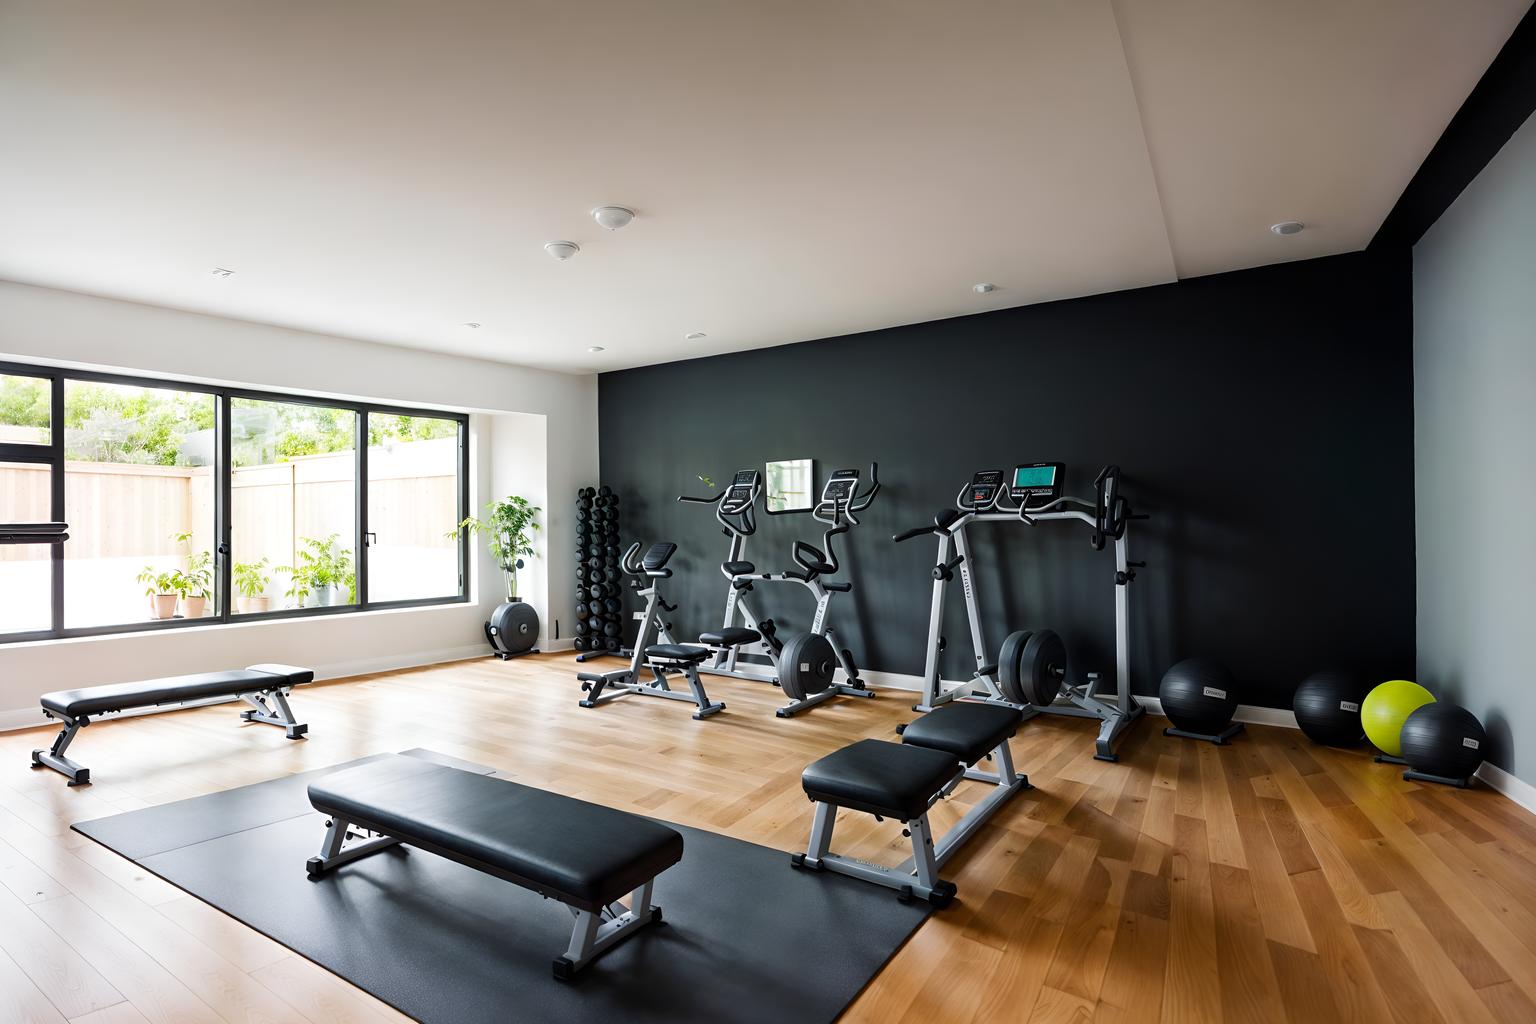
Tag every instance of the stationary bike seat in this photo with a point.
(734, 569)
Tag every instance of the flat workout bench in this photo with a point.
(902, 781)
(264, 687)
(583, 855)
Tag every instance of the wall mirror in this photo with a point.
(789, 486)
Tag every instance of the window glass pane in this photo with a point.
(413, 507)
(26, 573)
(293, 512)
(138, 497)
(26, 405)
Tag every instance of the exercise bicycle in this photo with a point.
(804, 665)
(659, 659)
(1030, 672)
(751, 650)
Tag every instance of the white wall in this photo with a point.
(1474, 366)
(532, 431)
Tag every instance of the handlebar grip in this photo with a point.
(909, 534)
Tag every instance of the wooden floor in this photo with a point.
(1270, 880)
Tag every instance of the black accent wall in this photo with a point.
(1264, 418)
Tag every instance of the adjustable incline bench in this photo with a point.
(264, 687)
(583, 855)
(902, 781)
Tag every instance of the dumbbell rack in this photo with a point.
(599, 580)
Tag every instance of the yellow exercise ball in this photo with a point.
(1386, 708)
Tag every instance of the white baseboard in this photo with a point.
(1517, 790)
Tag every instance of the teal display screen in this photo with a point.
(1034, 476)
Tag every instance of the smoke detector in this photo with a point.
(612, 217)
(983, 288)
(562, 251)
(1287, 227)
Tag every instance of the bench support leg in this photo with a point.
(271, 707)
(333, 855)
(918, 877)
(592, 933)
(54, 758)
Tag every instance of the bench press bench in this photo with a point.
(903, 781)
(584, 855)
(264, 687)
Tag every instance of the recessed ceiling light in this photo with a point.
(221, 272)
(562, 251)
(471, 325)
(1287, 227)
(694, 336)
(612, 217)
(595, 348)
(983, 288)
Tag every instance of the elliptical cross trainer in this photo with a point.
(1030, 671)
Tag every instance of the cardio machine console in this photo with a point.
(742, 493)
(985, 487)
(1036, 483)
(839, 487)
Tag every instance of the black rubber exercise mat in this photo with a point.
(746, 937)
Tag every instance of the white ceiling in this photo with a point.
(801, 168)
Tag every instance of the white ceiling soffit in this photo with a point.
(391, 171)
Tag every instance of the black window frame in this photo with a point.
(52, 455)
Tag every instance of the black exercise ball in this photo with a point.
(1199, 695)
(1444, 739)
(1327, 706)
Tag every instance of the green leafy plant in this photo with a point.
(252, 578)
(159, 582)
(509, 530)
(196, 580)
(321, 565)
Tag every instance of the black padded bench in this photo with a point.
(584, 855)
(903, 781)
(264, 687)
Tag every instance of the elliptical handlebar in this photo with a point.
(630, 563)
(701, 501)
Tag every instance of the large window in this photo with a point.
(187, 504)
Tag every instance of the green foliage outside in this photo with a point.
(145, 426)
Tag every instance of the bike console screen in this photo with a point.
(1036, 483)
(839, 487)
(742, 493)
(984, 489)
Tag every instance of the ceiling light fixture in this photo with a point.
(471, 325)
(1287, 227)
(694, 336)
(983, 288)
(221, 272)
(612, 217)
(562, 251)
(595, 348)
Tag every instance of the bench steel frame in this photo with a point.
(269, 706)
(918, 875)
(592, 932)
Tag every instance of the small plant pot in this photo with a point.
(253, 605)
(330, 597)
(162, 606)
(193, 607)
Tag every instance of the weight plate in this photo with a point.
(610, 629)
(1043, 667)
(1008, 666)
(806, 665)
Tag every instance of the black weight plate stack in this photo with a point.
(1043, 667)
(806, 665)
(1008, 668)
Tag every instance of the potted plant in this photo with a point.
(196, 583)
(251, 581)
(509, 530)
(161, 589)
(325, 570)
